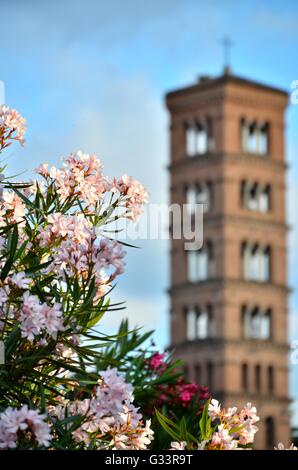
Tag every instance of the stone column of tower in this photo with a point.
(229, 307)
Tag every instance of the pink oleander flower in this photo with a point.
(76, 249)
(111, 253)
(20, 280)
(156, 362)
(12, 126)
(229, 414)
(249, 412)
(81, 177)
(43, 170)
(247, 433)
(280, 446)
(36, 318)
(242, 423)
(178, 445)
(53, 319)
(132, 438)
(187, 392)
(134, 193)
(77, 258)
(204, 392)
(110, 412)
(23, 424)
(2, 242)
(64, 351)
(102, 284)
(74, 227)
(114, 391)
(3, 295)
(12, 208)
(214, 409)
(222, 439)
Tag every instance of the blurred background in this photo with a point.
(92, 75)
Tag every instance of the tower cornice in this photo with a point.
(221, 342)
(247, 219)
(211, 159)
(212, 83)
(221, 283)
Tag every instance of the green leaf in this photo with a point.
(12, 244)
(164, 424)
(183, 430)
(21, 195)
(205, 422)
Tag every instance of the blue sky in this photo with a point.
(92, 75)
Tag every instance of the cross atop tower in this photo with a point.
(227, 46)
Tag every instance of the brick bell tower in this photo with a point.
(229, 307)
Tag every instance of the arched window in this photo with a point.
(201, 263)
(270, 432)
(191, 141)
(199, 137)
(254, 137)
(202, 139)
(256, 262)
(197, 265)
(252, 197)
(258, 378)
(244, 378)
(192, 265)
(199, 194)
(204, 195)
(255, 197)
(264, 200)
(256, 323)
(265, 332)
(265, 265)
(211, 141)
(263, 139)
(191, 322)
(200, 323)
(191, 197)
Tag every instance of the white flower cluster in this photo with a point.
(243, 421)
(110, 416)
(12, 126)
(23, 424)
(234, 429)
(76, 250)
(35, 318)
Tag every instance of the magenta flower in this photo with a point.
(156, 362)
